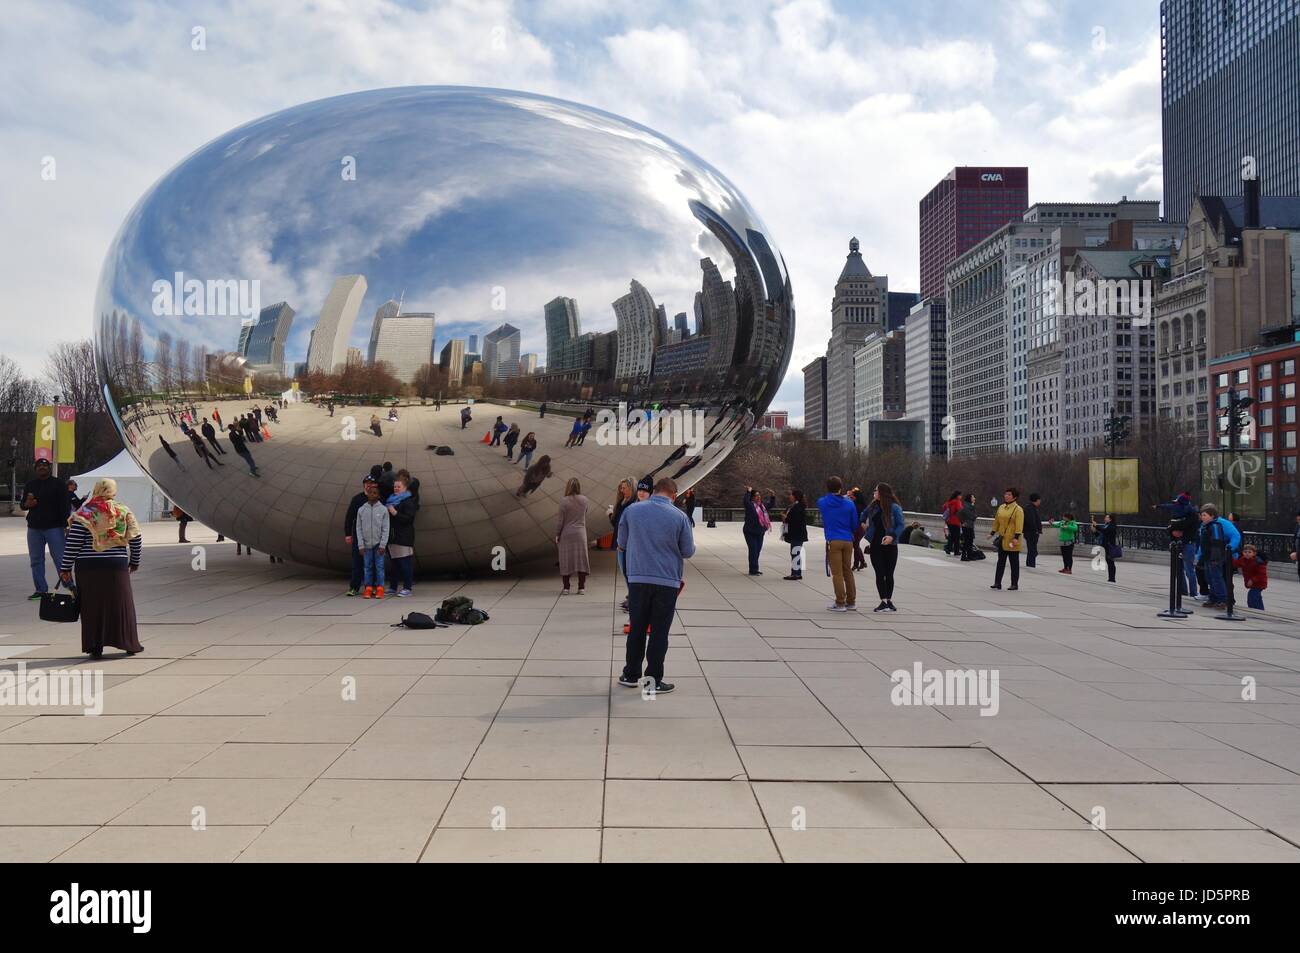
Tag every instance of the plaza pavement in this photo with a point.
(780, 743)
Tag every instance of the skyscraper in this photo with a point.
(858, 310)
(638, 333)
(245, 330)
(1228, 90)
(562, 327)
(389, 309)
(501, 353)
(452, 361)
(329, 340)
(927, 372)
(814, 399)
(968, 205)
(265, 344)
(405, 342)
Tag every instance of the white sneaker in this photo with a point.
(564, 592)
(835, 607)
(582, 592)
(851, 607)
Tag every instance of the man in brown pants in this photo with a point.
(839, 519)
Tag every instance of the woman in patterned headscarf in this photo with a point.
(103, 547)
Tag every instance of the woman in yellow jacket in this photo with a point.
(1008, 525)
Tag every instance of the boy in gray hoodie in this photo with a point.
(372, 538)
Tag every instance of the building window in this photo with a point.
(1264, 372)
(1265, 394)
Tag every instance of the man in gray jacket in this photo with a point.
(372, 538)
(655, 537)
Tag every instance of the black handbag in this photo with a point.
(60, 606)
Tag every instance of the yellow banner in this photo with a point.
(66, 433)
(46, 426)
(248, 385)
(1113, 485)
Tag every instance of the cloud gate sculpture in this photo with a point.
(376, 267)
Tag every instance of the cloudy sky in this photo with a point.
(833, 118)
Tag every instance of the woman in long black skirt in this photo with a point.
(103, 547)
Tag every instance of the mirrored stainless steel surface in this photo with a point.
(450, 248)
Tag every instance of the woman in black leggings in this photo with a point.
(882, 525)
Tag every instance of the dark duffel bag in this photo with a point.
(59, 606)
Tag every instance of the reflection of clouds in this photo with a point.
(457, 191)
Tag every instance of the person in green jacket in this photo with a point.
(1069, 533)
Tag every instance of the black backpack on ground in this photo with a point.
(445, 452)
(418, 620)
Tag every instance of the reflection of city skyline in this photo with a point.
(740, 326)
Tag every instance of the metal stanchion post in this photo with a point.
(1175, 610)
(1229, 615)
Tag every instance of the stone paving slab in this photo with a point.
(306, 728)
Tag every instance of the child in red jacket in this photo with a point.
(1253, 567)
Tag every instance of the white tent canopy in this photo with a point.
(133, 488)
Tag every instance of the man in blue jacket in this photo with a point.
(656, 538)
(839, 519)
(1219, 542)
(1183, 511)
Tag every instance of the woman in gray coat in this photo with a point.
(571, 537)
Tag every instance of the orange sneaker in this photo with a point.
(379, 592)
(367, 592)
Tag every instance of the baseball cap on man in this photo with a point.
(646, 486)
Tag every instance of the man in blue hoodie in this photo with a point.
(1182, 513)
(655, 537)
(839, 519)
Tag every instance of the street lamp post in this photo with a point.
(1236, 411)
(13, 475)
(1117, 431)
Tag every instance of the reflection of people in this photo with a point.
(571, 537)
(465, 417)
(184, 519)
(202, 451)
(526, 448)
(45, 499)
(103, 548)
(170, 453)
(534, 476)
(241, 448)
(74, 501)
(541, 411)
(511, 438)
